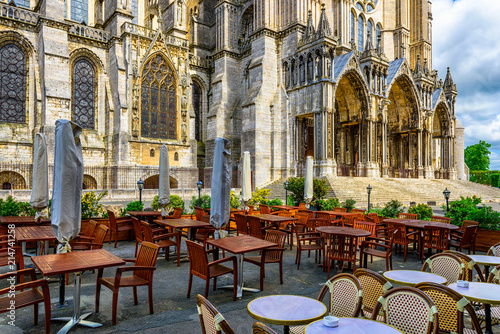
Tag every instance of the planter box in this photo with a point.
(486, 238)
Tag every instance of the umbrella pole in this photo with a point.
(62, 286)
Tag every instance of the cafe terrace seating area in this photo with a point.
(281, 270)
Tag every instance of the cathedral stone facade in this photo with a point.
(348, 82)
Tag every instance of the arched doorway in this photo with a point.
(440, 142)
(12, 180)
(89, 182)
(153, 182)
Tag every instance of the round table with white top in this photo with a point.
(352, 326)
(412, 277)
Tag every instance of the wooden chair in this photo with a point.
(447, 265)
(289, 228)
(303, 217)
(212, 322)
(450, 307)
(260, 328)
(307, 241)
(119, 225)
(310, 213)
(374, 218)
(251, 209)
(494, 250)
(373, 286)
(466, 239)
(270, 255)
(361, 211)
(255, 228)
(199, 212)
(348, 221)
(440, 219)
(143, 268)
(434, 237)
(493, 278)
(469, 267)
(456, 234)
(88, 234)
(96, 243)
(369, 247)
(163, 240)
(340, 209)
(177, 214)
(404, 215)
(302, 206)
(26, 294)
(241, 224)
(365, 226)
(403, 238)
(341, 248)
(265, 209)
(139, 235)
(325, 216)
(200, 267)
(408, 309)
(313, 223)
(9, 253)
(203, 234)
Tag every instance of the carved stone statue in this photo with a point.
(179, 12)
(135, 126)
(135, 96)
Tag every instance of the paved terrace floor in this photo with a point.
(174, 313)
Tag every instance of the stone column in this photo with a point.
(384, 148)
(420, 151)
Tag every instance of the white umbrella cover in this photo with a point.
(164, 186)
(40, 184)
(246, 184)
(221, 186)
(66, 209)
(308, 182)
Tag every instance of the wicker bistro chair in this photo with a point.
(241, 224)
(434, 237)
(466, 239)
(163, 240)
(494, 250)
(447, 265)
(402, 237)
(342, 248)
(373, 286)
(345, 298)
(450, 306)
(408, 309)
(404, 215)
(495, 309)
(29, 293)
(469, 267)
(440, 219)
(200, 267)
(270, 255)
(212, 322)
(260, 328)
(117, 225)
(369, 247)
(143, 268)
(307, 241)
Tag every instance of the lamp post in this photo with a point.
(369, 190)
(199, 184)
(140, 186)
(446, 194)
(286, 192)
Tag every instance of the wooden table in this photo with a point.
(238, 246)
(149, 215)
(286, 310)
(285, 207)
(352, 326)
(412, 277)
(75, 262)
(355, 232)
(486, 293)
(340, 214)
(275, 220)
(486, 261)
(19, 221)
(190, 224)
(35, 233)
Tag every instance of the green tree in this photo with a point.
(477, 157)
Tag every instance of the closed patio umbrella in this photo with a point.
(164, 186)
(40, 184)
(246, 184)
(221, 187)
(308, 182)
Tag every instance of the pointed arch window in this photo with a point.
(135, 11)
(361, 28)
(84, 84)
(353, 27)
(369, 31)
(158, 100)
(80, 11)
(196, 90)
(12, 84)
(378, 31)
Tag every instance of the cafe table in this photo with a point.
(35, 233)
(412, 277)
(238, 246)
(75, 262)
(149, 215)
(352, 326)
(181, 223)
(275, 220)
(286, 310)
(285, 207)
(486, 293)
(486, 261)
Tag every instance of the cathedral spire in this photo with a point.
(449, 85)
(310, 27)
(418, 67)
(324, 25)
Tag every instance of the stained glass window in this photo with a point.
(135, 11)
(369, 30)
(84, 82)
(158, 100)
(23, 3)
(353, 27)
(360, 7)
(361, 26)
(377, 33)
(12, 84)
(196, 89)
(80, 10)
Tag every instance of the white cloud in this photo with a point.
(466, 38)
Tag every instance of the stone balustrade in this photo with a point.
(18, 14)
(135, 29)
(88, 32)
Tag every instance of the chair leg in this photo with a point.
(114, 305)
(46, 305)
(406, 252)
(178, 253)
(215, 283)
(35, 314)
(235, 283)
(297, 258)
(281, 271)
(136, 245)
(150, 297)
(97, 295)
(189, 284)
(135, 294)
(110, 236)
(116, 237)
(207, 284)
(262, 274)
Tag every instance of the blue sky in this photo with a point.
(466, 37)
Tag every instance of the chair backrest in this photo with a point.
(324, 215)
(250, 209)
(276, 237)
(440, 219)
(205, 218)
(177, 213)
(310, 213)
(137, 229)
(469, 266)
(348, 221)
(255, 227)
(260, 328)
(90, 230)
(340, 209)
(494, 250)
(374, 217)
(100, 234)
(303, 217)
(342, 247)
(494, 276)
(212, 322)
(400, 237)
(146, 257)
(147, 232)
(199, 212)
(285, 213)
(436, 237)
(241, 223)
(404, 215)
(358, 211)
(366, 226)
(469, 235)
(345, 296)
(302, 206)
(373, 286)
(466, 223)
(447, 265)
(312, 223)
(264, 209)
(408, 309)
(112, 220)
(198, 260)
(450, 306)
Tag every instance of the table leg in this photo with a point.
(487, 307)
(286, 329)
(77, 318)
(47, 244)
(241, 284)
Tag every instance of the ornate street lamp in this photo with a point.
(140, 186)
(446, 194)
(286, 192)
(199, 184)
(369, 190)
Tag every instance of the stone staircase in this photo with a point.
(404, 190)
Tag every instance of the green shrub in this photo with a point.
(487, 217)
(9, 207)
(458, 210)
(328, 204)
(275, 201)
(393, 209)
(91, 208)
(349, 204)
(175, 202)
(234, 200)
(296, 187)
(25, 209)
(202, 202)
(378, 211)
(423, 211)
(133, 206)
(259, 196)
(495, 180)
(289, 200)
